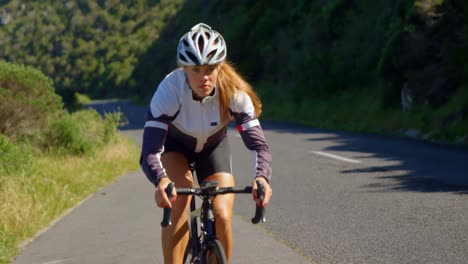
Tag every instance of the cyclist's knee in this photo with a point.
(223, 213)
(223, 219)
(223, 206)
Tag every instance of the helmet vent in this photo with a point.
(193, 58)
(185, 43)
(182, 57)
(201, 44)
(210, 55)
(221, 54)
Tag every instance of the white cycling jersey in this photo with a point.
(197, 125)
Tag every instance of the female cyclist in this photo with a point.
(187, 125)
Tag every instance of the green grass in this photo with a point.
(34, 197)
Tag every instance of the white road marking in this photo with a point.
(335, 157)
(55, 261)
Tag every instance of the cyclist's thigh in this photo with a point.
(175, 160)
(178, 170)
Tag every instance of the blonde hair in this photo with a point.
(229, 82)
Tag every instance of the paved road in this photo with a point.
(338, 198)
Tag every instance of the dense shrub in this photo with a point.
(13, 158)
(63, 135)
(27, 100)
(81, 132)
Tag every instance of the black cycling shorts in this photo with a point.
(207, 162)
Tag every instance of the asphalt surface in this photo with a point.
(337, 198)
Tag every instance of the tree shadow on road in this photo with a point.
(410, 181)
(419, 166)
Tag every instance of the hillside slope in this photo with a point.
(368, 66)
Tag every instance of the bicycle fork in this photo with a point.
(208, 227)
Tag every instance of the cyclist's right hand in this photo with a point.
(160, 195)
(267, 191)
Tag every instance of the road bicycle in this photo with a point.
(203, 246)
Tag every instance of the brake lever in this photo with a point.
(167, 211)
(259, 210)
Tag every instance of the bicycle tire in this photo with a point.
(215, 253)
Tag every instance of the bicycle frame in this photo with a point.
(200, 242)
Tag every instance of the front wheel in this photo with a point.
(215, 253)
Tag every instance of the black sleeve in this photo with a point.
(154, 136)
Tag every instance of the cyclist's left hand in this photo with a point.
(268, 191)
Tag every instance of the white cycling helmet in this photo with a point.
(201, 46)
